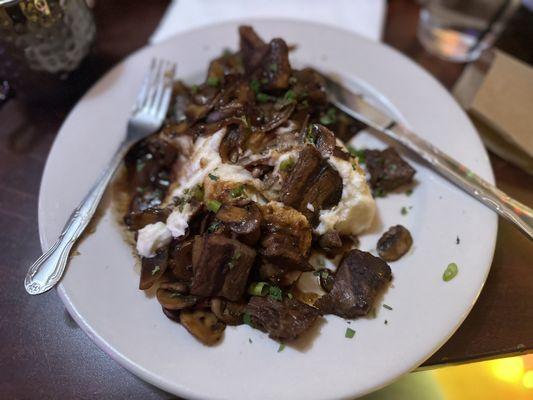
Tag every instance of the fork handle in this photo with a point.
(46, 272)
(517, 213)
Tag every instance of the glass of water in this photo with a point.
(459, 30)
(42, 42)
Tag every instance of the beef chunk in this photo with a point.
(281, 248)
(358, 281)
(387, 169)
(282, 320)
(312, 185)
(394, 243)
(330, 241)
(221, 266)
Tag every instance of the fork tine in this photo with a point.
(153, 86)
(141, 97)
(165, 89)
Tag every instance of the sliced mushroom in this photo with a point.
(387, 169)
(228, 312)
(245, 222)
(253, 48)
(203, 325)
(153, 268)
(394, 243)
(173, 315)
(275, 66)
(174, 300)
(138, 219)
(180, 259)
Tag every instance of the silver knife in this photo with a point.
(357, 107)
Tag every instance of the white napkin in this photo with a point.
(365, 17)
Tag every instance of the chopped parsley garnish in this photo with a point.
(213, 177)
(254, 85)
(330, 117)
(450, 272)
(404, 211)
(156, 270)
(237, 192)
(359, 153)
(409, 192)
(457, 241)
(281, 347)
(287, 164)
(305, 103)
(275, 293)
(273, 67)
(386, 322)
(387, 307)
(247, 319)
(213, 81)
(213, 205)
(245, 121)
(289, 295)
(349, 334)
(213, 227)
(194, 89)
(293, 80)
(226, 52)
(250, 340)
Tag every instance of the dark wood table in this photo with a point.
(43, 353)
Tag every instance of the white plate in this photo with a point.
(100, 286)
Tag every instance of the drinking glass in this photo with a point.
(41, 42)
(459, 30)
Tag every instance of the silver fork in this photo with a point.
(147, 117)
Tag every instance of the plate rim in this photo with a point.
(177, 388)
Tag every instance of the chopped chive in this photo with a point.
(289, 96)
(213, 227)
(275, 293)
(237, 192)
(450, 272)
(358, 153)
(247, 319)
(379, 192)
(262, 97)
(213, 205)
(245, 121)
(250, 340)
(281, 347)
(273, 67)
(258, 289)
(404, 211)
(350, 333)
(213, 81)
(386, 322)
(409, 192)
(293, 80)
(226, 52)
(213, 177)
(234, 258)
(254, 85)
(387, 307)
(156, 270)
(457, 241)
(305, 103)
(310, 135)
(330, 117)
(140, 165)
(197, 192)
(287, 164)
(289, 295)
(194, 89)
